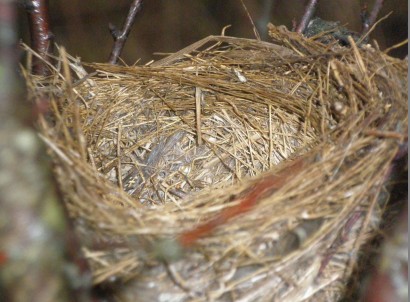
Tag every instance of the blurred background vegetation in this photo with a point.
(166, 26)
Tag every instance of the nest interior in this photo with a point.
(232, 170)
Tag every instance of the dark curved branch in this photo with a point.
(308, 14)
(369, 20)
(41, 35)
(120, 37)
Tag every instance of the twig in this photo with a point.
(41, 35)
(255, 30)
(309, 11)
(405, 42)
(369, 20)
(120, 37)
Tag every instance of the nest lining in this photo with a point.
(160, 150)
(148, 152)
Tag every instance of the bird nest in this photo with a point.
(232, 170)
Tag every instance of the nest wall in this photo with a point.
(233, 170)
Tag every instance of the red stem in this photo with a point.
(41, 35)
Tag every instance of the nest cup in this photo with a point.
(268, 159)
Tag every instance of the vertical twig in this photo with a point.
(255, 30)
(41, 35)
(369, 20)
(307, 15)
(120, 37)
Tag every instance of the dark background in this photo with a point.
(169, 25)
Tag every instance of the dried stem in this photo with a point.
(41, 35)
(369, 20)
(255, 30)
(120, 37)
(309, 11)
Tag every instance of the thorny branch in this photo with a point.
(369, 20)
(309, 11)
(120, 37)
(41, 35)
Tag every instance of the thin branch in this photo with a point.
(255, 30)
(309, 11)
(120, 37)
(41, 35)
(369, 20)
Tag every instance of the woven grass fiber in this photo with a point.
(233, 170)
